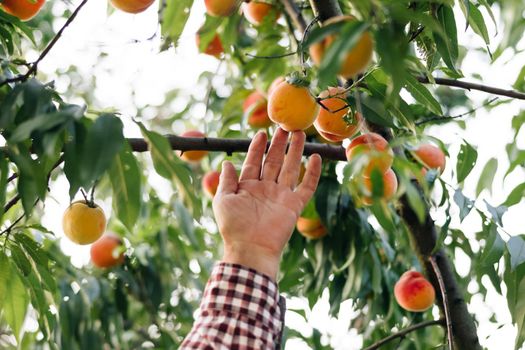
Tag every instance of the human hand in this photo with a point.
(256, 213)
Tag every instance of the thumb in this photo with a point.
(228, 182)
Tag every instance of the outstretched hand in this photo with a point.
(256, 212)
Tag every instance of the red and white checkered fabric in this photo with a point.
(241, 310)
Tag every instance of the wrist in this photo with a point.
(249, 255)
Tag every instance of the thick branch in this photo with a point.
(473, 86)
(232, 146)
(294, 13)
(403, 333)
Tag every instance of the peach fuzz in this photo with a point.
(357, 59)
(210, 183)
(256, 107)
(389, 187)
(330, 123)
(311, 228)
(413, 292)
(292, 107)
(193, 156)
(376, 148)
(220, 8)
(132, 6)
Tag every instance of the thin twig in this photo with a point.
(271, 57)
(295, 13)
(472, 86)
(403, 333)
(34, 66)
(445, 119)
(435, 267)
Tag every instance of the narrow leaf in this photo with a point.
(467, 158)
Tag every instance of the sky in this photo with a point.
(134, 73)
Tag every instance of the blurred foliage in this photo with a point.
(171, 245)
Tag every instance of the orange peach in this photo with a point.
(375, 148)
(210, 183)
(357, 59)
(107, 251)
(330, 122)
(193, 156)
(256, 108)
(23, 9)
(274, 84)
(389, 187)
(256, 12)
(220, 8)
(132, 6)
(431, 157)
(292, 107)
(311, 228)
(214, 47)
(414, 292)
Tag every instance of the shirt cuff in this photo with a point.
(244, 291)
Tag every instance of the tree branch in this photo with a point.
(473, 86)
(34, 66)
(404, 332)
(444, 298)
(295, 14)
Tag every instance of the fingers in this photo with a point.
(292, 164)
(274, 159)
(311, 178)
(228, 182)
(251, 169)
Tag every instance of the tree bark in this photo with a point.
(423, 236)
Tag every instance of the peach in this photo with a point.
(256, 12)
(274, 84)
(414, 292)
(193, 156)
(214, 47)
(311, 228)
(23, 9)
(210, 183)
(132, 6)
(431, 157)
(292, 107)
(377, 150)
(330, 123)
(389, 187)
(256, 108)
(357, 59)
(220, 8)
(107, 251)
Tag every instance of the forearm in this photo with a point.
(240, 309)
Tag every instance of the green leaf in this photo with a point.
(125, 180)
(21, 260)
(15, 300)
(171, 168)
(465, 204)
(515, 281)
(447, 45)
(487, 176)
(467, 158)
(415, 201)
(516, 248)
(476, 21)
(174, 15)
(4, 174)
(496, 212)
(494, 246)
(185, 222)
(422, 95)
(515, 196)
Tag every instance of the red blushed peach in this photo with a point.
(214, 47)
(106, 251)
(330, 122)
(193, 156)
(311, 228)
(431, 157)
(210, 183)
(220, 8)
(256, 108)
(23, 9)
(389, 187)
(132, 6)
(257, 12)
(414, 292)
(377, 150)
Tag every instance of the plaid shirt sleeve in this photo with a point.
(240, 310)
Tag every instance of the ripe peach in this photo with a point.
(330, 124)
(106, 252)
(256, 108)
(23, 9)
(357, 59)
(210, 183)
(413, 292)
(274, 84)
(389, 187)
(431, 156)
(311, 228)
(214, 47)
(220, 8)
(257, 12)
(132, 6)
(376, 148)
(193, 156)
(292, 107)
